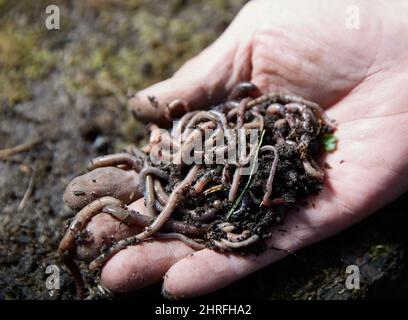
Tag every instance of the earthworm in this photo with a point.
(176, 104)
(68, 241)
(198, 117)
(207, 215)
(186, 147)
(235, 184)
(243, 161)
(231, 104)
(289, 121)
(279, 126)
(274, 97)
(161, 195)
(100, 260)
(226, 226)
(309, 120)
(258, 122)
(149, 196)
(203, 181)
(275, 108)
(131, 217)
(225, 175)
(294, 107)
(82, 218)
(151, 171)
(214, 137)
(242, 88)
(244, 243)
(236, 112)
(174, 198)
(220, 245)
(116, 159)
(178, 129)
(312, 105)
(323, 115)
(146, 179)
(265, 200)
(241, 112)
(313, 169)
(232, 113)
(217, 152)
(178, 236)
(73, 268)
(223, 121)
(237, 237)
(198, 131)
(158, 206)
(168, 142)
(135, 151)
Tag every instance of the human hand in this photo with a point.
(302, 48)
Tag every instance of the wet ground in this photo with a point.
(67, 89)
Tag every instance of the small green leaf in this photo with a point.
(330, 142)
(251, 173)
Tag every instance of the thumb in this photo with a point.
(201, 81)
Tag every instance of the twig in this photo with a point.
(17, 149)
(249, 179)
(28, 192)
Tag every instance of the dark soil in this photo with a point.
(290, 185)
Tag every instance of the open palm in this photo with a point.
(303, 48)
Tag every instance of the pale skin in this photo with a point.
(302, 48)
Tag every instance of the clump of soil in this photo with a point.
(208, 182)
(291, 126)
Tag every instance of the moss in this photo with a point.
(149, 44)
(380, 250)
(22, 60)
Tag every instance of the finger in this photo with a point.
(104, 230)
(203, 80)
(355, 186)
(143, 264)
(206, 271)
(109, 181)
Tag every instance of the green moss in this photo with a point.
(149, 44)
(22, 60)
(380, 250)
(330, 142)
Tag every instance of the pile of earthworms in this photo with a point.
(215, 204)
